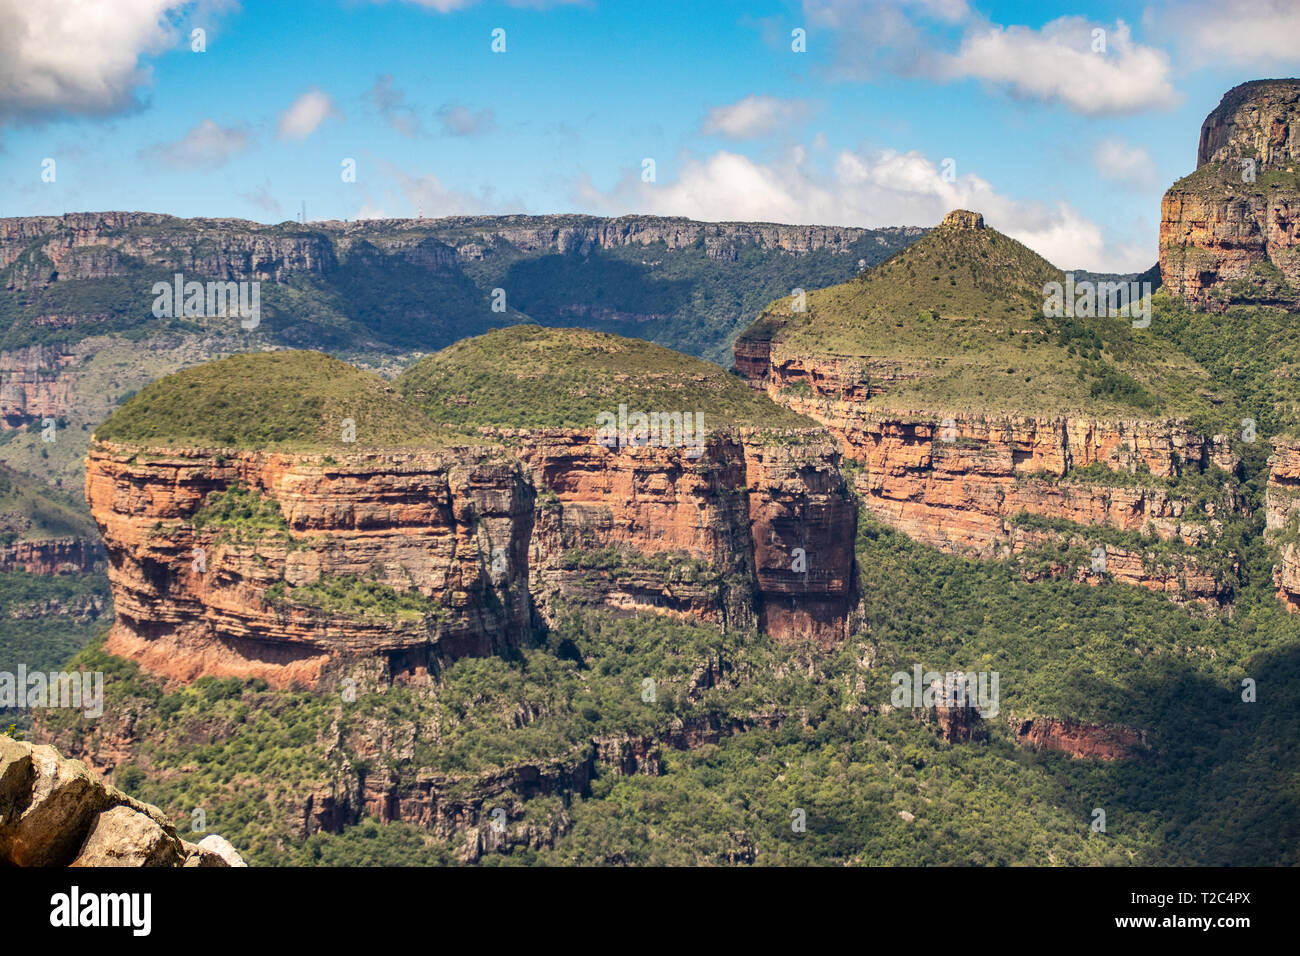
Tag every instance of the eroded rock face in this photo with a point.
(52, 556)
(192, 601)
(961, 483)
(1236, 219)
(1282, 504)
(1096, 741)
(55, 812)
(765, 529)
(31, 387)
(1259, 119)
(752, 532)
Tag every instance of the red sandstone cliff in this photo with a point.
(960, 482)
(1282, 506)
(754, 532)
(1230, 230)
(423, 523)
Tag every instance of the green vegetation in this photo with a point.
(530, 376)
(1214, 787)
(402, 287)
(963, 311)
(239, 508)
(1252, 350)
(270, 399)
(31, 510)
(45, 619)
(350, 596)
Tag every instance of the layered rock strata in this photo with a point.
(751, 533)
(1231, 230)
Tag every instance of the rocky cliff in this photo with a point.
(448, 530)
(47, 249)
(1145, 497)
(1282, 517)
(299, 566)
(751, 533)
(1228, 232)
(55, 812)
(52, 556)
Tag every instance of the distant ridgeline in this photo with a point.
(417, 283)
(94, 306)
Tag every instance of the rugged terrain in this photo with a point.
(55, 812)
(1228, 231)
(462, 617)
(984, 427)
(410, 544)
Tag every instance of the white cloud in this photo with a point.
(1247, 32)
(1058, 64)
(305, 114)
(206, 146)
(392, 106)
(1121, 162)
(874, 36)
(77, 56)
(459, 120)
(409, 194)
(753, 116)
(886, 188)
(1054, 64)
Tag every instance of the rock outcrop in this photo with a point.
(753, 532)
(451, 529)
(55, 812)
(52, 556)
(1282, 517)
(1028, 473)
(1079, 740)
(964, 484)
(1230, 231)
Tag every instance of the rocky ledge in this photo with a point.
(55, 812)
(1230, 231)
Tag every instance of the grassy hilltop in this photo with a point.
(962, 310)
(527, 375)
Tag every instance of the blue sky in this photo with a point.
(1065, 146)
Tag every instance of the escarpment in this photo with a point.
(407, 558)
(983, 424)
(750, 533)
(668, 484)
(1229, 231)
(405, 544)
(1282, 517)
